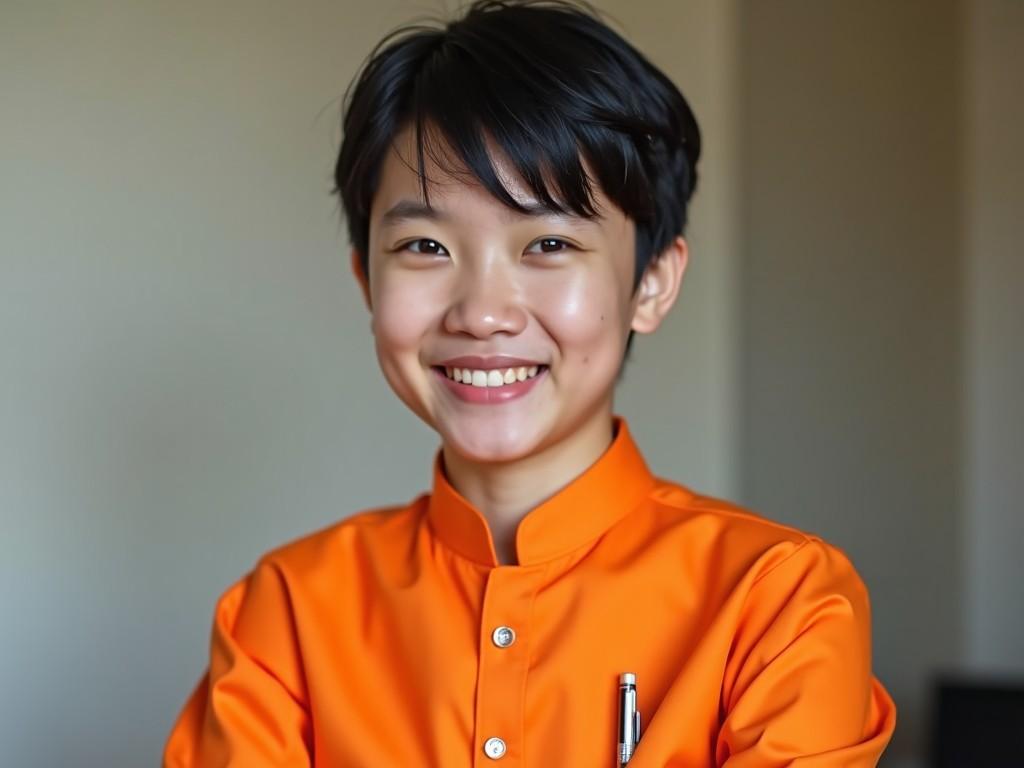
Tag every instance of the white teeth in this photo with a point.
(493, 377)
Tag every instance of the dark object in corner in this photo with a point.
(978, 723)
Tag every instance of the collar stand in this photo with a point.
(589, 505)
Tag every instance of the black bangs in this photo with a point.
(501, 104)
(550, 88)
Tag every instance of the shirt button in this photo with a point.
(503, 637)
(494, 748)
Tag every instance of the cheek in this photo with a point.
(583, 312)
(404, 311)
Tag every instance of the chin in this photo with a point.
(487, 443)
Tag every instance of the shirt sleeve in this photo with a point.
(249, 708)
(798, 687)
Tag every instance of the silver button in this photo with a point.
(503, 637)
(494, 748)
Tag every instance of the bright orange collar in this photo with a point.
(608, 490)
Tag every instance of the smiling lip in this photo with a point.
(478, 363)
(488, 395)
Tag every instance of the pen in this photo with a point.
(629, 718)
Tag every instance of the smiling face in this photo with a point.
(470, 277)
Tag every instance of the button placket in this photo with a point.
(504, 657)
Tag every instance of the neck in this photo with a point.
(505, 492)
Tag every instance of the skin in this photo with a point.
(482, 279)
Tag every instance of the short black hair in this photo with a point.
(550, 84)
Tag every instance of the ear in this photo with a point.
(659, 287)
(361, 278)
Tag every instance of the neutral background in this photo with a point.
(187, 377)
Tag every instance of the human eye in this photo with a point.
(425, 246)
(549, 245)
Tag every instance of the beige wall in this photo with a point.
(187, 374)
(993, 525)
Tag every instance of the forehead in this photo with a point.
(451, 185)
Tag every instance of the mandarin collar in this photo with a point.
(581, 511)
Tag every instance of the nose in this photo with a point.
(487, 301)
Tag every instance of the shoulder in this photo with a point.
(301, 577)
(340, 542)
(319, 564)
(740, 540)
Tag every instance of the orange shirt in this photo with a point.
(373, 643)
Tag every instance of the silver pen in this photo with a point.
(629, 718)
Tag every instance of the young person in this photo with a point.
(515, 184)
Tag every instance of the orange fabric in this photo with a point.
(369, 644)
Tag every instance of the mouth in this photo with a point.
(493, 378)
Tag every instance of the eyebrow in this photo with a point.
(406, 210)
